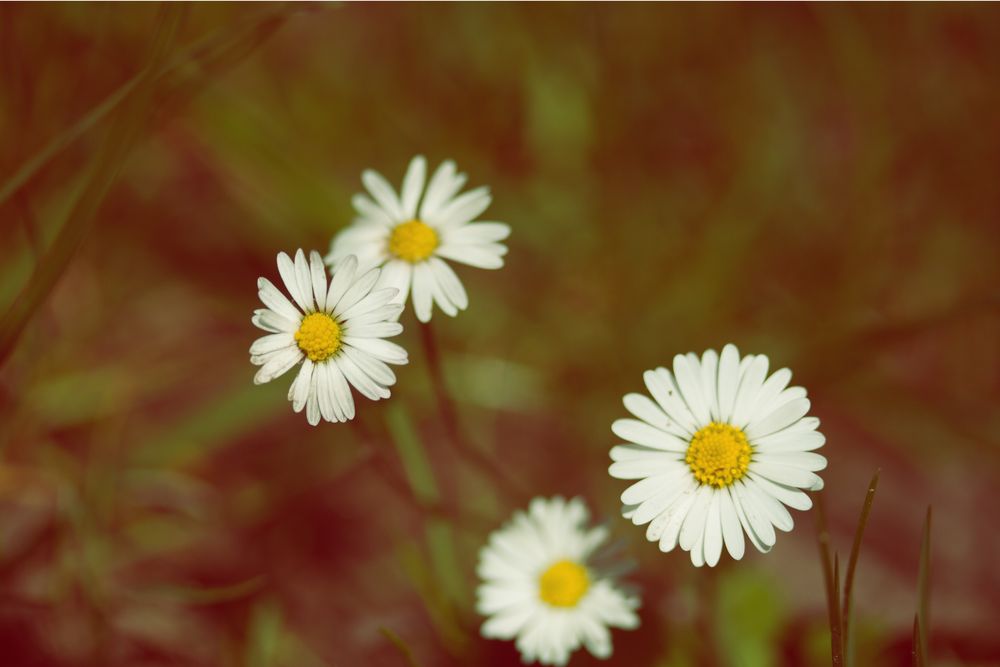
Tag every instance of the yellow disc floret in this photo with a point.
(563, 584)
(413, 241)
(719, 454)
(318, 336)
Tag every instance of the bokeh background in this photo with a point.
(813, 182)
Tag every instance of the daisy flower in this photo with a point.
(411, 235)
(540, 584)
(719, 453)
(335, 331)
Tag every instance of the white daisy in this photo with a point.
(336, 332)
(719, 453)
(412, 234)
(541, 584)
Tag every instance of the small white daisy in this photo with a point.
(412, 234)
(335, 332)
(719, 453)
(542, 586)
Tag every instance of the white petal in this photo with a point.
(396, 273)
(443, 185)
(272, 297)
(660, 383)
(370, 302)
(760, 530)
(370, 211)
(784, 416)
(656, 504)
(278, 364)
(640, 468)
(268, 320)
(805, 460)
(383, 350)
(688, 376)
(677, 513)
(318, 278)
(286, 268)
(376, 330)
(343, 277)
(423, 292)
(324, 393)
(359, 380)
(341, 391)
(303, 278)
(361, 287)
(773, 386)
(788, 495)
(476, 233)
(464, 208)
(488, 256)
(713, 529)
(693, 529)
(750, 385)
(299, 391)
(789, 475)
(731, 529)
(791, 439)
(773, 510)
(272, 343)
(383, 194)
(312, 401)
(728, 383)
(643, 434)
(374, 368)
(710, 382)
(413, 184)
(449, 282)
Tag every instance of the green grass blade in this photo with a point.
(852, 563)
(412, 455)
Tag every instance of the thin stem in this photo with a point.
(831, 578)
(852, 562)
(449, 416)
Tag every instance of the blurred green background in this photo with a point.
(813, 182)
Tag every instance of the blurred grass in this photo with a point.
(811, 182)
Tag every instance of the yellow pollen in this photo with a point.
(563, 584)
(318, 336)
(413, 241)
(719, 454)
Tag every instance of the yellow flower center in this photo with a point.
(413, 241)
(719, 454)
(563, 584)
(318, 336)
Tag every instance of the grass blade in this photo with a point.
(400, 645)
(125, 128)
(923, 589)
(831, 579)
(852, 563)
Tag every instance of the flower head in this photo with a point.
(541, 584)
(411, 234)
(335, 331)
(719, 452)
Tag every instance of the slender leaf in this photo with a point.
(852, 563)
(919, 657)
(831, 579)
(401, 645)
(129, 119)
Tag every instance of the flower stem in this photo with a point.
(449, 418)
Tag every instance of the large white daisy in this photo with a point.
(412, 234)
(720, 452)
(335, 331)
(541, 585)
